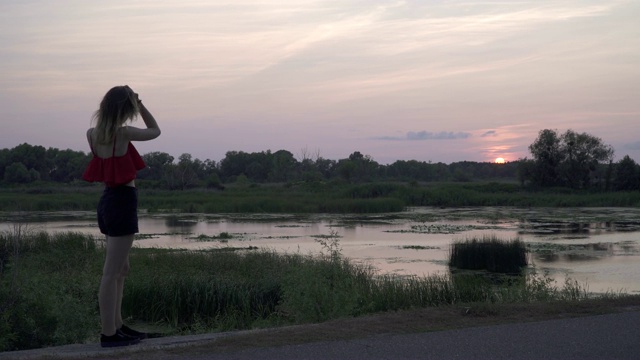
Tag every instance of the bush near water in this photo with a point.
(489, 253)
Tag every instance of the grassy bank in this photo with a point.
(314, 197)
(48, 286)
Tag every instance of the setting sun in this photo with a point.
(499, 160)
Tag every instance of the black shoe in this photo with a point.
(133, 333)
(118, 339)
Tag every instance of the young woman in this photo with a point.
(115, 163)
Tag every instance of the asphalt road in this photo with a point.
(612, 336)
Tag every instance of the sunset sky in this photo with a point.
(439, 81)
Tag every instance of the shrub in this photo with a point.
(489, 253)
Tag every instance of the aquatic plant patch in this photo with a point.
(221, 237)
(143, 236)
(489, 253)
(326, 236)
(418, 247)
(286, 237)
(584, 251)
(629, 226)
(442, 228)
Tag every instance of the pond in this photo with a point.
(598, 247)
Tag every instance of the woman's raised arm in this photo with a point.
(151, 132)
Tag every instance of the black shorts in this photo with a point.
(118, 211)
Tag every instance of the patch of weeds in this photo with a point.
(330, 244)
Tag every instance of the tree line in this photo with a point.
(26, 163)
(573, 160)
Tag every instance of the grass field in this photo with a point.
(48, 286)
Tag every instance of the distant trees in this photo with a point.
(358, 168)
(26, 163)
(66, 165)
(627, 175)
(578, 161)
(547, 157)
(570, 159)
(157, 163)
(18, 173)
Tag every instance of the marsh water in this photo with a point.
(598, 247)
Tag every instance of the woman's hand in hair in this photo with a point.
(133, 96)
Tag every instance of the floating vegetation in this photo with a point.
(549, 252)
(545, 248)
(620, 216)
(145, 236)
(326, 236)
(222, 237)
(538, 227)
(442, 228)
(157, 235)
(553, 251)
(574, 237)
(399, 260)
(232, 249)
(627, 226)
(281, 237)
(418, 247)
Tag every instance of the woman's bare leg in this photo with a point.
(109, 296)
(123, 274)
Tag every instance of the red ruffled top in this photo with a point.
(116, 170)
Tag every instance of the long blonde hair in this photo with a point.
(117, 107)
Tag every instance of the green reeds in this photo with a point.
(328, 198)
(48, 288)
(489, 253)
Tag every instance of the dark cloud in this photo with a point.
(427, 135)
(489, 133)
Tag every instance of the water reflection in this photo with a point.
(552, 252)
(577, 242)
(550, 258)
(183, 223)
(544, 228)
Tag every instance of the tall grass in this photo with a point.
(489, 253)
(49, 282)
(48, 288)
